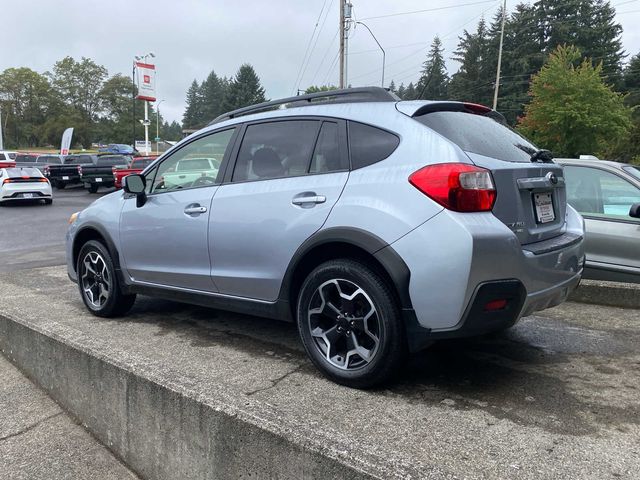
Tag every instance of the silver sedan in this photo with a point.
(607, 195)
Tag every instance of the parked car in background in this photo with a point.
(377, 225)
(607, 195)
(24, 184)
(100, 173)
(137, 165)
(68, 173)
(7, 159)
(118, 148)
(38, 161)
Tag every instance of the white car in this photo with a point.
(20, 184)
(6, 156)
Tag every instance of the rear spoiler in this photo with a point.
(466, 107)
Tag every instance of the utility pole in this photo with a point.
(1, 142)
(497, 86)
(342, 32)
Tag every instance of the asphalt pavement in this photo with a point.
(33, 234)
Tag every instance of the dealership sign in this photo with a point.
(146, 81)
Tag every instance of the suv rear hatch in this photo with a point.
(531, 197)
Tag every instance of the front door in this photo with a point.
(165, 241)
(287, 177)
(604, 200)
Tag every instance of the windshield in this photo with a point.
(480, 134)
(634, 171)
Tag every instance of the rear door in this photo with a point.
(604, 199)
(287, 177)
(531, 198)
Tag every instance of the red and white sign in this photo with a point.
(146, 75)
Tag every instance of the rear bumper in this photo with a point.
(452, 258)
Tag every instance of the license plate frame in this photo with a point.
(543, 207)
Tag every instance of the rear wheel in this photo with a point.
(98, 283)
(350, 324)
(60, 185)
(93, 188)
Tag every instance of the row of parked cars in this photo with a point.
(91, 170)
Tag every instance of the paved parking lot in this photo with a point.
(32, 234)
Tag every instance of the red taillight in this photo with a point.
(80, 170)
(476, 108)
(457, 186)
(46, 170)
(7, 180)
(43, 180)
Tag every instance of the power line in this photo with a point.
(427, 10)
(313, 79)
(315, 44)
(304, 58)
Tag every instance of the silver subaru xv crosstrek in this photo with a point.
(377, 225)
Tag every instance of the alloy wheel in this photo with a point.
(96, 280)
(344, 324)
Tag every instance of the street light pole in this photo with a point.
(497, 86)
(158, 127)
(382, 49)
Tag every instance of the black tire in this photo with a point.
(93, 188)
(48, 201)
(60, 185)
(377, 296)
(116, 302)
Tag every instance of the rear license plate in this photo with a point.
(98, 180)
(27, 195)
(64, 177)
(544, 207)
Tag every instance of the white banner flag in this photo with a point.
(66, 141)
(146, 81)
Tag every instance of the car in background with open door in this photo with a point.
(607, 195)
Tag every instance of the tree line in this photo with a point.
(216, 95)
(37, 108)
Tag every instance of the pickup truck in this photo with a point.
(137, 165)
(38, 161)
(189, 170)
(100, 173)
(67, 173)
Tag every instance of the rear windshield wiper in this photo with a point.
(543, 156)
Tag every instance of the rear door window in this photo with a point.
(480, 134)
(369, 145)
(276, 150)
(327, 155)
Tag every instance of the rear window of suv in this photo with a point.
(480, 134)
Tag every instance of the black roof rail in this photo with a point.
(347, 95)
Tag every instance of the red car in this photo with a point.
(138, 164)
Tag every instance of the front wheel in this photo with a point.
(350, 324)
(99, 286)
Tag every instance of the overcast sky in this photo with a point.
(192, 37)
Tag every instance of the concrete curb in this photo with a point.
(614, 294)
(165, 431)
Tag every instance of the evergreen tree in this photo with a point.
(213, 90)
(321, 88)
(410, 92)
(628, 150)
(434, 78)
(401, 91)
(244, 89)
(473, 81)
(194, 113)
(572, 110)
(392, 87)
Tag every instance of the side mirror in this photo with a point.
(634, 211)
(136, 185)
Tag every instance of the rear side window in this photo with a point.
(369, 145)
(481, 135)
(49, 159)
(276, 150)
